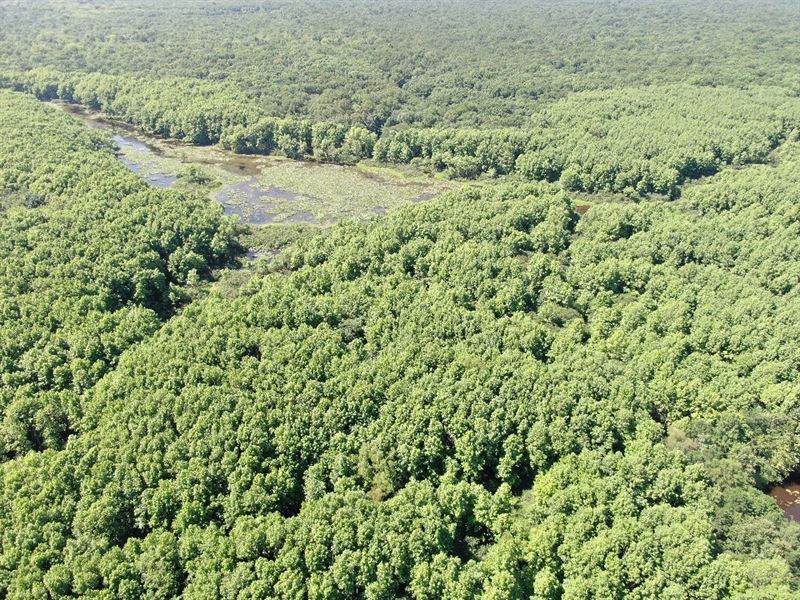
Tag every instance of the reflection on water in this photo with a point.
(252, 203)
(160, 180)
(243, 166)
(280, 193)
(260, 217)
(127, 144)
(787, 496)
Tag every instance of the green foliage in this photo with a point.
(196, 175)
(89, 269)
(215, 114)
(464, 63)
(486, 395)
(470, 398)
(634, 140)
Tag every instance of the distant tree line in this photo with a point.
(198, 112)
(453, 63)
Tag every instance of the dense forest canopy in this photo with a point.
(573, 377)
(92, 260)
(444, 63)
(512, 395)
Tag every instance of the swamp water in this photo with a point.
(787, 496)
(265, 190)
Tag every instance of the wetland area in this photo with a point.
(267, 190)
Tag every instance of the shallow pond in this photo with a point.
(131, 151)
(787, 496)
(251, 202)
(128, 142)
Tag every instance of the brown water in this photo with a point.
(247, 199)
(251, 201)
(236, 164)
(787, 496)
(83, 115)
(582, 209)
